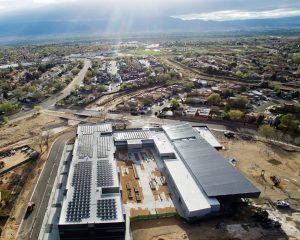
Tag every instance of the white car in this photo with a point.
(281, 203)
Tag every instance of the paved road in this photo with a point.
(64, 93)
(48, 103)
(30, 227)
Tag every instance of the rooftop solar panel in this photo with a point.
(79, 207)
(106, 209)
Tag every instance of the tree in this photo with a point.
(278, 90)
(174, 103)
(288, 122)
(101, 88)
(214, 99)
(8, 107)
(146, 101)
(4, 119)
(188, 86)
(58, 85)
(235, 114)
(296, 58)
(260, 120)
(267, 131)
(76, 87)
(37, 109)
(228, 93)
(240, 102)
(297, 140)
(214, 111)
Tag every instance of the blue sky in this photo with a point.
(220, 10)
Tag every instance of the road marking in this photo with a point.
(41, 202)
(42, 171)
(34, 190)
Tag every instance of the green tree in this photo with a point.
(174, 103)
(80, 65)
(188, 86)
(296, 58)
(214, 99)
(288, 122)
(77, 87)
(58, 85)
(235, 114)
(5, 119)
(297, 140)
(37, 109)
(8, 107)
(240, 102)
(101, 88)
(267, 131)
(147, 101)
(277, 90)
(225, 115)
(89, 74)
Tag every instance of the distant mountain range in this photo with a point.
(39, 28)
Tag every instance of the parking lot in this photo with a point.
(13, 157)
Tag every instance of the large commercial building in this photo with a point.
(198, 177)
(92, 207)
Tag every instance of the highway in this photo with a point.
(30, 227)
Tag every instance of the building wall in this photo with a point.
(101, 231)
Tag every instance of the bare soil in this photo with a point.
(176, 229)
(12, 160)
(255, 157)
(26, 129)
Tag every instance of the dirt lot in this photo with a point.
(15, 159)
(11, 184)
(175, 229)
(254, 156)
(25, 129)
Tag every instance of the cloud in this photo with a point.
(45, 2)
(229, 15)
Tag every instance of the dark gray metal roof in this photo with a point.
(180, 131)
(212, 172)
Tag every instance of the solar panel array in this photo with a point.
(103, 128)
(90, 129)
(87, 129)
(106, 209)
(103, 146)
(85, 146)
(104, 173)
(79, 207)
(132, 135)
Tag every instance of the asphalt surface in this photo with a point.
(30, 226)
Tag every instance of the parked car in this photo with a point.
(282, 204)
(24, 149)
(229, 134)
